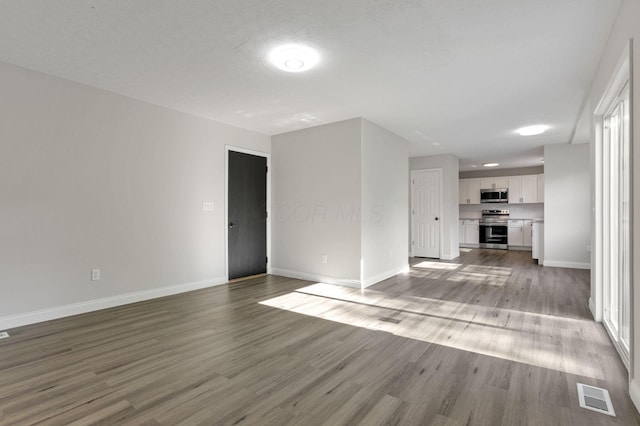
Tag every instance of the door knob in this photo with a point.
(231, 224)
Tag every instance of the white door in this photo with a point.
(425, 213)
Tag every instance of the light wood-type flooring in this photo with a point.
(487, 339)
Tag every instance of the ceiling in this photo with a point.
(451, 76)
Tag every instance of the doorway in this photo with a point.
(247, 213)
(426, 191)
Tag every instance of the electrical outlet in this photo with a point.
(324, 258)
(3, 334)
(95, 274)
(207, 206)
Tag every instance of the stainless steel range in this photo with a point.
(494, 226)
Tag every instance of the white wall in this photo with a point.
(626, 27)
(450, 171)
(340, 189)
(317, 202)
(567, 206)
(385, 201)
(90, 179)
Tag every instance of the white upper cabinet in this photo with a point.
(541, 188)
(494, 182)
(523, 189)
(469, 191)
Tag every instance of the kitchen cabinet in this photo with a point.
(469, 191)
(523, 189)
(537, 247)
(494, 182)
(514, 233)
(469, 232)
(540, 188)
(519, 232)
(527, 233)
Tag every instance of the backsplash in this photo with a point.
(516, 211)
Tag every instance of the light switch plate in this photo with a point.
(207, 206)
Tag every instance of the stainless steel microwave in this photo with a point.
(496, 195)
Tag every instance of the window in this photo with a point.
(613, 210)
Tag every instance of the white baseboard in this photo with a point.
(469, 245)
(592, 308)
(33, 317)
(521, 248)
(563, 264)
(385, 275)
(450, 256)
(634, 393)
(315, 277)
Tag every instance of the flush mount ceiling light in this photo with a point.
(294, 57)
(532, 130)
(491, 164)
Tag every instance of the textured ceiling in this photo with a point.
(451, 76)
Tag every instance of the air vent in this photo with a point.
(595, 399)
(3, 334)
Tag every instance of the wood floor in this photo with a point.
(487, 339)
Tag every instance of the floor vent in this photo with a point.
(595, 399)
(3, 334)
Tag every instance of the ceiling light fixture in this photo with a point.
(532, 130)
(491, 164)
(294, 57)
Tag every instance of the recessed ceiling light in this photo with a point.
(532, 130)
(491, 164)
(294, 57)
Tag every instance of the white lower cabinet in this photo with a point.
(469, 232)
(527, 233)
(519, 233)
(515, 237)
(537, 248)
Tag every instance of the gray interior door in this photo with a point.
(247, 213)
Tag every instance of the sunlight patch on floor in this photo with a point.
(490, 270)
(479, 278)
(495, 276)
(437, 265)
(525, 337)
